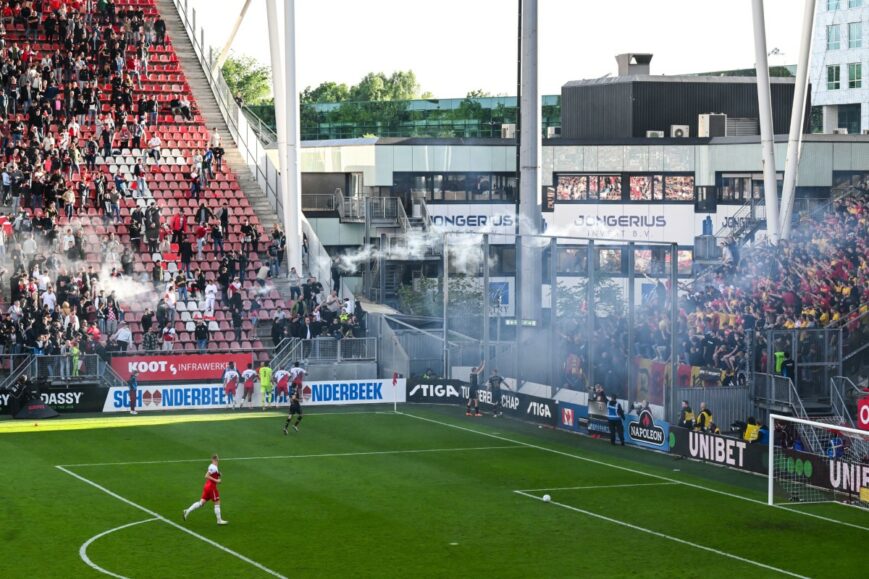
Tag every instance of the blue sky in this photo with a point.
(459, 45)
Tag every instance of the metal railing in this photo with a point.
(343, 350)
(727, 403)
(424, 215)
(403, 221)
(318, 202)
(68, 367)
(350, 208)
(780, 391)
(247, 140)
(383, 209)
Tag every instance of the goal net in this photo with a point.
(812, 462)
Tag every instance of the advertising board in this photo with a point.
(717, 449)
(179, 367)
(159, 397)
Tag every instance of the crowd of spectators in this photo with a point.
(68, 247)
(818, 278)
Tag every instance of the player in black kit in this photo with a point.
(295, 408)
(473, 394)
(495, 381)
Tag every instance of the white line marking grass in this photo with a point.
(215, 544)
(597, 487)
(634, 471)
(286, 456)
(83, 550)
(665, 536)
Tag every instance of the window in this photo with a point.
(855, 75)
(833, 77)
(589, 187)
(855, 35)
(610, 187)
(832, 4)
(609, 260)
(641, 188)
(649, 261)
(573, 260)
(855, 3)
(833, 37)
(679, 188)
(849, 118)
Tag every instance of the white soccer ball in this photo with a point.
(546, 498)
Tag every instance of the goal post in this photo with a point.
(812, 462)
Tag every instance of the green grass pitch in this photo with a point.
(427, 492)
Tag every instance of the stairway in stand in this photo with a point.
(210, 111)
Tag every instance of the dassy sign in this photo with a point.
(84, 399)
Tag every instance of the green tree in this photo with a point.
(326, 92)
(248, 78)
(376, 86)
(478, 93)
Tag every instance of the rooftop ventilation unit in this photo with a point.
(680, 131)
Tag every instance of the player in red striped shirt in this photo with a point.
(209, 492)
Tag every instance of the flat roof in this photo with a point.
(422, 141)
(629, 78)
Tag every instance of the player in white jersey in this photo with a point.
(230, 384)
(282, 380)
(249, 378)
(209, 492)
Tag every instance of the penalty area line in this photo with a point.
(597, 487)
(665, 536)
(160, 517)
(83, 550)
(300, 456)
(633, 470)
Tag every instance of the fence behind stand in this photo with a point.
(727, 404)
(344, 350)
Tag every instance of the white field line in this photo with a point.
(83, 550)
(665, 536)
(286, 456)
(597, 487)
(635, 471)
(155, 515)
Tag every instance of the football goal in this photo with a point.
(811, 462)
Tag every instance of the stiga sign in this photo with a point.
(181, 368)
(522, 406)
(645, 431)
(723, 450)
(438, 391)
(531, 408)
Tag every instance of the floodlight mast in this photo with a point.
(798, 115)
(764, 101)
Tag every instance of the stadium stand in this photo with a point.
(110, 178)
(820, 278)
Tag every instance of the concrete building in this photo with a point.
(840, 51)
